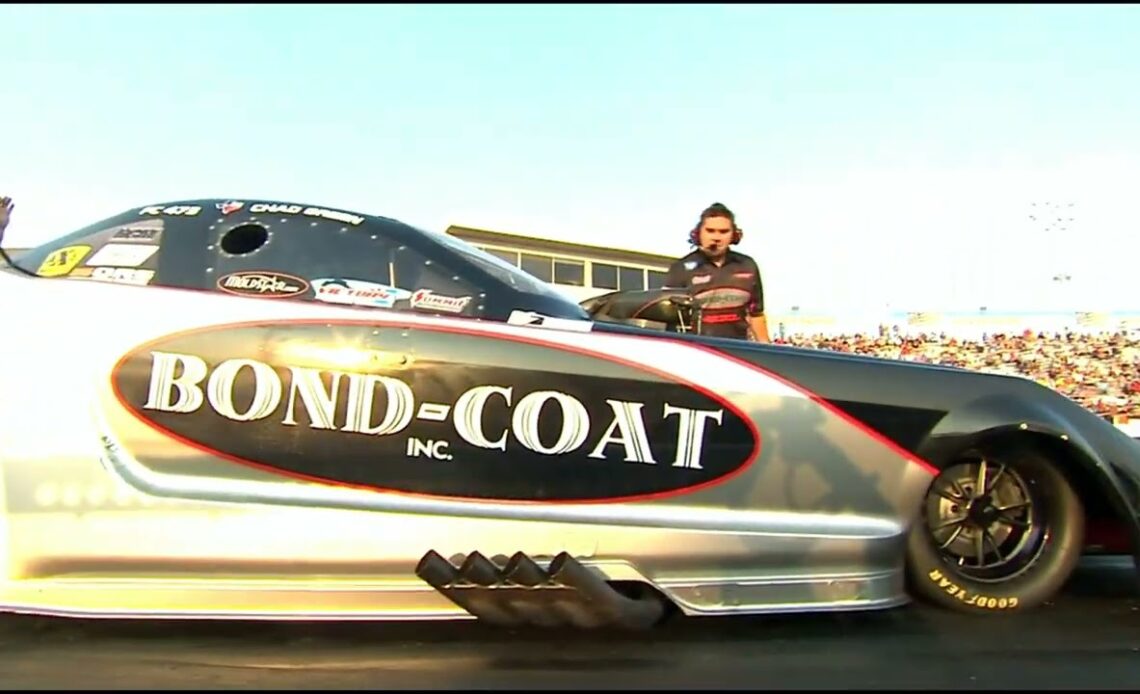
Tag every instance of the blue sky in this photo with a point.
(874, 154)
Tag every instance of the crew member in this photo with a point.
(714, 265)
(6, 207)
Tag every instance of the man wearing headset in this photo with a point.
(713, 265)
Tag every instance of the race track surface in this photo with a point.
(1090, 639)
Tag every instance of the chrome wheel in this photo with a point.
(1001, 529)
(985, 520)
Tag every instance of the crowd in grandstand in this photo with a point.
(1101, 371)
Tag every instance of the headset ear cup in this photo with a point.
(737, 234)
(695, 236)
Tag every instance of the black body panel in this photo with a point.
(937, 412)
(203, 241)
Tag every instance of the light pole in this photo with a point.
(1055, 220)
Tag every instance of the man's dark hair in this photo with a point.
(718, 209)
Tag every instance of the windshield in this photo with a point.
(497, 267)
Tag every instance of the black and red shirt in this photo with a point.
(730, 292)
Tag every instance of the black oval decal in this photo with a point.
(435, 412)
(269, 285)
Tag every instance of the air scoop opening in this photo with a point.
(245, 238)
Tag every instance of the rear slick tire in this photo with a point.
(1007, 545)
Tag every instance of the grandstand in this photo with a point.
(579, 270)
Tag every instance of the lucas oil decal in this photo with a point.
(357, 292)
(425, 412)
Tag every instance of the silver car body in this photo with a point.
(102, 515)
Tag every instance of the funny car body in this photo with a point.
(255, 409)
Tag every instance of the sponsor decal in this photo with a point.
(701, 279)
(357, 292)
(134, 234)
(266, 284)
(62, 261)
(480, 417)
(229, 206)
(742, 275)
(122, 255)
(319, 212)
(171, 210)
(116, 275)
(723, 298)
(691, 265)
(429, 300)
